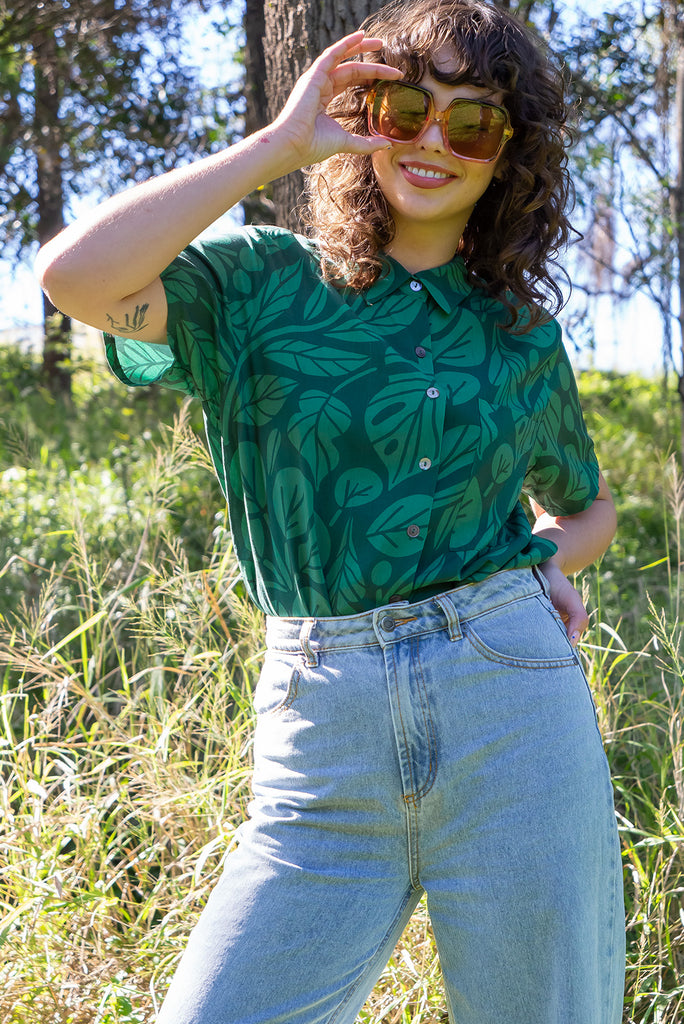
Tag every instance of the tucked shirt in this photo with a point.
(372, 446)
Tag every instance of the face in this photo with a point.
(429, 190)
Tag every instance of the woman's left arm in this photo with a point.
(581, 539)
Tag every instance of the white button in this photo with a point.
(416, 286)
(425, 463)
(432, 392)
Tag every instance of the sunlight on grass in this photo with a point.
(128, 655)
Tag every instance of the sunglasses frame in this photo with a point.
(440, 117)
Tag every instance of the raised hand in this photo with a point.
(304, 124)
(98, 271)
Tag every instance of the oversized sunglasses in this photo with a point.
(472, 129)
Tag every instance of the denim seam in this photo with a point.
(616, 963)
(408, 797)
(465, 618)
(339, 1011)
(297, 647)
(413, 844)
(503, 659)
(290, 696)
(588, 690)
(613, 861)
(323, 649)
(427, 722)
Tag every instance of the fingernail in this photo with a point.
(574, 637)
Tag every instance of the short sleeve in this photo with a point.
(563, 474)
(200, 286)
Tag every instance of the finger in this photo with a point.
(354, 72)
(349, 46)
(576, 625)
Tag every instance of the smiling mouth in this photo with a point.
(425, 172)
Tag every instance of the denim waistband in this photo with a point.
(393, 622)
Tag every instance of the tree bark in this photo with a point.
(50, 202)
(256, 110)
(679, 200)
(294, 34)
(258, 205)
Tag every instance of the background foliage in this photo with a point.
(127, 650)
(128, 654)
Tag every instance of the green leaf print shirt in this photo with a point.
(373, 446)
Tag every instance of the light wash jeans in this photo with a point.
(447, 747)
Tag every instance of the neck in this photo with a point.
(421, 247)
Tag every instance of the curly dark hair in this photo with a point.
(520, 223)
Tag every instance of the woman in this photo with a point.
(376, 396)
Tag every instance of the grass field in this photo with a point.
(128, 654)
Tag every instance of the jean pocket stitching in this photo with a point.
(290, 696)
(507, 659)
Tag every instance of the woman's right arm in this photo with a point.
(104, 269)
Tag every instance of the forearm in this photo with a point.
(127, 241)
(105, 269)
(581, 538)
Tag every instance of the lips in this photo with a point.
(425, 175)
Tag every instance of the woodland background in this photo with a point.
(127, 650)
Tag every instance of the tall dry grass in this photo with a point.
(125, 748)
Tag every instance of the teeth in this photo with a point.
(422, 172)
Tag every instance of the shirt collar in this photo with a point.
(447, 284)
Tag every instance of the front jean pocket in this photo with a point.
(278, 683)
(524, 633)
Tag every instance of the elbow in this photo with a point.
(57, 276)
(46, 270)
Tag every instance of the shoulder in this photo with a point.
(238, 262)
(250, 244)
(546, 336)
(513, 320)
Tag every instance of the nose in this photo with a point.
(433, 135)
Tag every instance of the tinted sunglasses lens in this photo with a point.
(398, 111)
(475, 130)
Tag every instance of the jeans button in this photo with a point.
(388, 623)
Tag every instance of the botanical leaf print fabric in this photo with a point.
(374, 446)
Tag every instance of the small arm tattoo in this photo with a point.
(131, 324)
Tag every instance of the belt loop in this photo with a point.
(453, 622)
(304, 638)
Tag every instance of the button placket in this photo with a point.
(412, 343)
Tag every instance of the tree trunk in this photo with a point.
(258, 205)
(679, 200)
(50, 197)
(294, 34)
